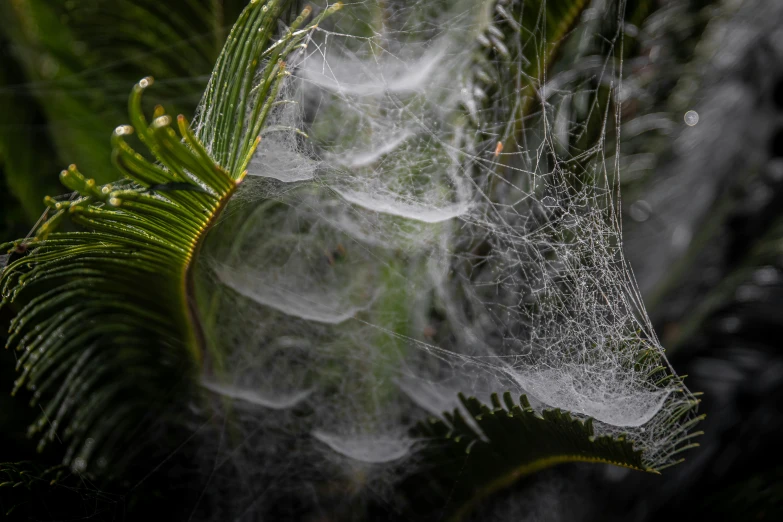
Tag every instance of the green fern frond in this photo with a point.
(107, 321)
(495, 447)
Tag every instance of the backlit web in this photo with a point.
(433, 210)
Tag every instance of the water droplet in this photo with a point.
(766, 275)
(569, 220)
(691, 118)
(681, 237)
(747, 293)
(162, 121)
(640, 211)
(730, 324)
(79, 465)
(655, 53)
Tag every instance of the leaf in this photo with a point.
(107, 327)
(469, 459)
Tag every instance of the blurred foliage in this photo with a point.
(66, 70)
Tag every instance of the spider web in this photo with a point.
(427, 214)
